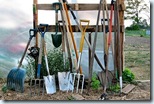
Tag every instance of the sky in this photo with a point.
(16, 12)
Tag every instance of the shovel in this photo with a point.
(49, 80)
(57, 38)
(16, 77)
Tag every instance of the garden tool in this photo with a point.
(71, 33)
(65, 82)
(95, 38)
(38, 81)
(65, 37)
(78, 75)
(105, 31)
(49, 80)
(89, 45)
(82, 40)
(72, 80)
(16, 77)
(70, 43)
(110, 24)
(56, 38)
(41, 47)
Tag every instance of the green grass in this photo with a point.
(137, 58)
(141, 33)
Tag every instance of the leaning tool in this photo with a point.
(38, 81)
(16, 77)
(82, 40)
(89, 45)
(49, 80)
(78, 75)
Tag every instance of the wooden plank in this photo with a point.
(76, 7)
(128, 88)
(75, 28)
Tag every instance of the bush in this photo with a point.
(115, 87)
(127, 75)
(133, 27)
(55, 63)
(95, 82)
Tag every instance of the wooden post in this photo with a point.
(121, 19)
(35, 23)
(90, 72)
(35, 19)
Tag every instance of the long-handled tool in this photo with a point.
(41, 47)
(89, 45)
(56, 38)
(95, 38)
(105, 35)
(71, 33)
(82, 40)
(49, 80)
(80, 55)
(16, 77)
(71, 48)
(65, 37)
(38, 81)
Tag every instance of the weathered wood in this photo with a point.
(75, 28)
(35, 20)
(77, 7)
(121, 19)
(128, 88)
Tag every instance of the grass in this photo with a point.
(141, 33)
(137, 57)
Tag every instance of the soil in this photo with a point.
(140, 92)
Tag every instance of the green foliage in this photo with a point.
(95, 82)
(55, 63)
(133, 27)
(127, 75)
(115, 87)
(4, 88)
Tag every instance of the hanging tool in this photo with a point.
(56, 38)
(16, 77)
(49, 80)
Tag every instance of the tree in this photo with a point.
(134, 8)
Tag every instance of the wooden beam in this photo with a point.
(76, 7)
(75, 28)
